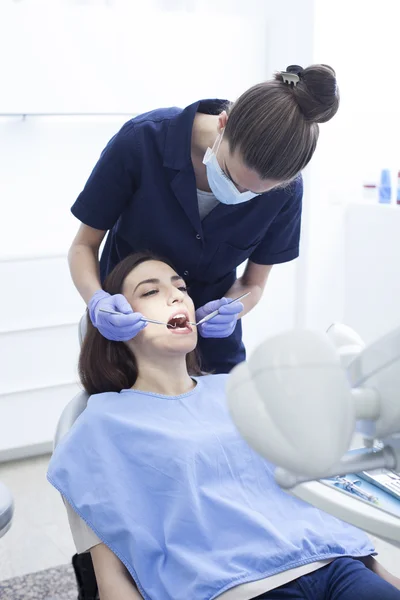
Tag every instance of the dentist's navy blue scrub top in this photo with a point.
(143, 191)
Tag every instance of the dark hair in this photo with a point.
(107, 366)
(274, 125)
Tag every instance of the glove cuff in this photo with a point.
(93, 302)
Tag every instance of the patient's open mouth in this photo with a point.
(179, 322)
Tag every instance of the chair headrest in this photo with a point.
(70, 414)
(82, 328)
(78, 404)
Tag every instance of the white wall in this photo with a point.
(70, 57)
(43, 165)
(360, 40)
(371, 273)
(105, 57)
(123, 58)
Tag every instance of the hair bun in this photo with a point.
(317, 93)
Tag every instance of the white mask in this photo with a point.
(221, 186)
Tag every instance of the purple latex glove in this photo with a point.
(118, 328)
(223, 324)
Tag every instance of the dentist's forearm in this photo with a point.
(84, 270)
(83, 258)
(249, 302)
(253, 280)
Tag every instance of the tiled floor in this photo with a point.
(39, 537)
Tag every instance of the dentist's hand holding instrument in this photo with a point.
(114, 318)
(217, 319)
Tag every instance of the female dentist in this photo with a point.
(207, 187)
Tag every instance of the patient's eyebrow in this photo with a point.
(156, 281)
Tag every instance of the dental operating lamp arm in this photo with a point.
(300, 397)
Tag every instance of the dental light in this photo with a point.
(301, 396)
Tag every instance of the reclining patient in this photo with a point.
(170, 500)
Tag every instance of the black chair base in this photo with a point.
(85, 576)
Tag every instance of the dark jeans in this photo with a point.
(342, 579)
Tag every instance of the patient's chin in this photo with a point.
(180, 344)
(148, 341)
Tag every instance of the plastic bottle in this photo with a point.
(370, 193)
(385, 188)
(398, 188)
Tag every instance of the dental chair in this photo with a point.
(78, 403)
(6, 509)
(82, 563)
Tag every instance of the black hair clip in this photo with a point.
(292, 75)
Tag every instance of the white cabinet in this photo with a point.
(372, 269)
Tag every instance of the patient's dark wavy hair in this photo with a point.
(107, 366)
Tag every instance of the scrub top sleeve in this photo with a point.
(111, 183)
(281, 242)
